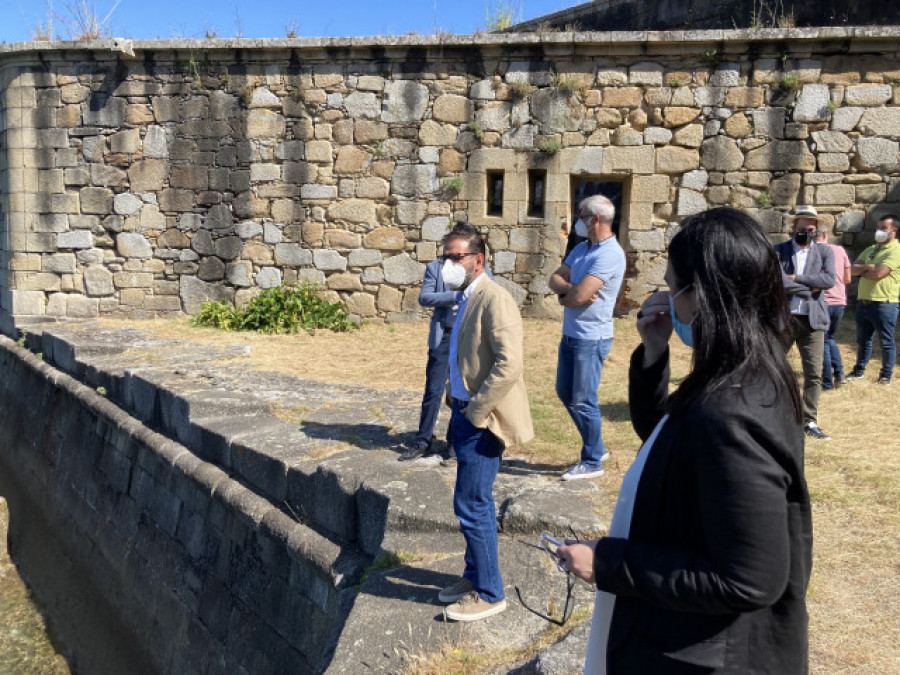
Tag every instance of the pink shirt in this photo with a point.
(837, 294)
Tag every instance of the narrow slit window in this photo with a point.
(495, 193)
(537, 179)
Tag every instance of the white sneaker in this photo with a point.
(582, 470)
(602, 459)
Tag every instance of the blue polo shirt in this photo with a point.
(606, 261)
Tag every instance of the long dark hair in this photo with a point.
(743, 325)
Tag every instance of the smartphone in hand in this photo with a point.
(551, 543)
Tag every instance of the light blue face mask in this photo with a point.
(683, 330)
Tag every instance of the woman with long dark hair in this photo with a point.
(708, 555)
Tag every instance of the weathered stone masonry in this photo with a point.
(140, 186)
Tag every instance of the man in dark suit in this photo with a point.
(807, 270)
(435, 294)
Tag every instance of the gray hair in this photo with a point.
(598, 205)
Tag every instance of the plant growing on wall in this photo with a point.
(711, 57)
(476, 129)
(770, 14)
(567, 85)
(282, 309)
(501, 14)
(376, 148)
(789, 81)
(520, 90)
(549, 146)
(79, 20)
(454, 184)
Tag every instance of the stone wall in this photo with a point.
(190, 570)
(141, 186)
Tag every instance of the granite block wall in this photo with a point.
(140, 187)
(198, 573)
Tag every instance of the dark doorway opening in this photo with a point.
(537, 178)
(495, 193)
(584, 188)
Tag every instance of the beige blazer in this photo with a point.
(489, 356)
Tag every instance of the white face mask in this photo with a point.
(453, 274)
(580, 228)
(881, 236)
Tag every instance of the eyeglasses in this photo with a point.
(569, 606)
(455, 257)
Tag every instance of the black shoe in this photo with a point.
(840, 381)
(884, 380)
(448, 457)
(812, 430)
(414, 451)
(855, 374)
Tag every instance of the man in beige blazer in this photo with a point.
(490, 412)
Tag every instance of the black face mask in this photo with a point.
(803, 237)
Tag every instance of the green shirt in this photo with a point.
(881, 290)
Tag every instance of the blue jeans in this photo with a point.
(832, 366)
(436, 373)
(577, 379)
(477, 463)
(871, 317)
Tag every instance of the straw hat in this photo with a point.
(805, 212)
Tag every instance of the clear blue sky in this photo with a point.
(147, 19)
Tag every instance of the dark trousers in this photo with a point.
(872, 317)
(436, 372)
(811, 345)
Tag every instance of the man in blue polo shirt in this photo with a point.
(587, 284)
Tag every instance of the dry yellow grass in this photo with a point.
(854, 479)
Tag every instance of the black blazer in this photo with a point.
(713, 575)
(819, 274)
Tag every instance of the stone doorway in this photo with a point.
(583, 187)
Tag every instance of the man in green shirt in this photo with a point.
(878, 269)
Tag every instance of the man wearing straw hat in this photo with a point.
(807, 270)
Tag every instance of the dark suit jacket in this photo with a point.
(809, 283)
(713, 575)
(435, 294)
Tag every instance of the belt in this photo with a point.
(877, 302)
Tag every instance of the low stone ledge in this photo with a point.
(321, 45)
